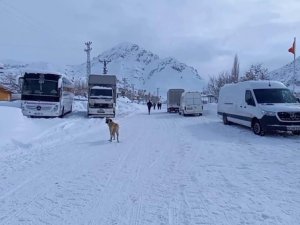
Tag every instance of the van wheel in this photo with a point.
(296, 132)
(257, 129)
(225, 120)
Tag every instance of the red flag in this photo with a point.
(293, 48)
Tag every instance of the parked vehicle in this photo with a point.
(45, 94)
(191, 103)
(173, 99)
(102, 95)
(262, 105)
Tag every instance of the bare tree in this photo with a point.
(256, 72)
(215, 84)
(235, 69)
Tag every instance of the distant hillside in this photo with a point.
(285, 73)
(144, 69)
(140, 67)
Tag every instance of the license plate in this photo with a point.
(295, 128)
(101, 111)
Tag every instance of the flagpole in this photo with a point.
(294, 77)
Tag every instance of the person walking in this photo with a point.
(154, 104)
(149, 105)
(159, 105)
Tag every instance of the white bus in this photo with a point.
(46, 94)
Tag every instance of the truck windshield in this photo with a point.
(272, 95)
(101, 93)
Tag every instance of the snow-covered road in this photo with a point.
(167, 169)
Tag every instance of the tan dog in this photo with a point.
(113, 129)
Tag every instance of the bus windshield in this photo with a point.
(35, 90)
(34, 87)
(274, 95)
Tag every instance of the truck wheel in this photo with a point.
(257, 129)
(225, 120)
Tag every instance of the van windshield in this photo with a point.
(274, 95)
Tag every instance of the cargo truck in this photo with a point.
(173, 99)
(102, 95)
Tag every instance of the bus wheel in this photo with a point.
(62, 113)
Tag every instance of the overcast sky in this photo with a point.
(205, 34)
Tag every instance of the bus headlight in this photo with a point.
(55, 108)
(268, 113)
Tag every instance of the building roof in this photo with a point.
(5, 88)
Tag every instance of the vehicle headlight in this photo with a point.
(268, 113)
(55, 108)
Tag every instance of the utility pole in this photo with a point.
(88, 60)
(104, 65)
(132, 98)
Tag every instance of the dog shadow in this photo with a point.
(96, 143)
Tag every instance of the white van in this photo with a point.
(191, 103)
(262, 105)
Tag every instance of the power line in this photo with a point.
(105, 65)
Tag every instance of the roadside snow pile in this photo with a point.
(126, 107)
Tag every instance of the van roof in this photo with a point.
(258, 84)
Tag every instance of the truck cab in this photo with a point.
(102, 96)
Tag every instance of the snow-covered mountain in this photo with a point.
(141, 68)
(285, 74)
(144, 69)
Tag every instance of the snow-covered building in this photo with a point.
(5, 93)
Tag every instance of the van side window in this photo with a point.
(249, 98)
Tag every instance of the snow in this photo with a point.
(167, 169)
(101, 87)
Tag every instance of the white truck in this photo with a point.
(191, 103)
(173, 99)
(262, 105)
(102, 95)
